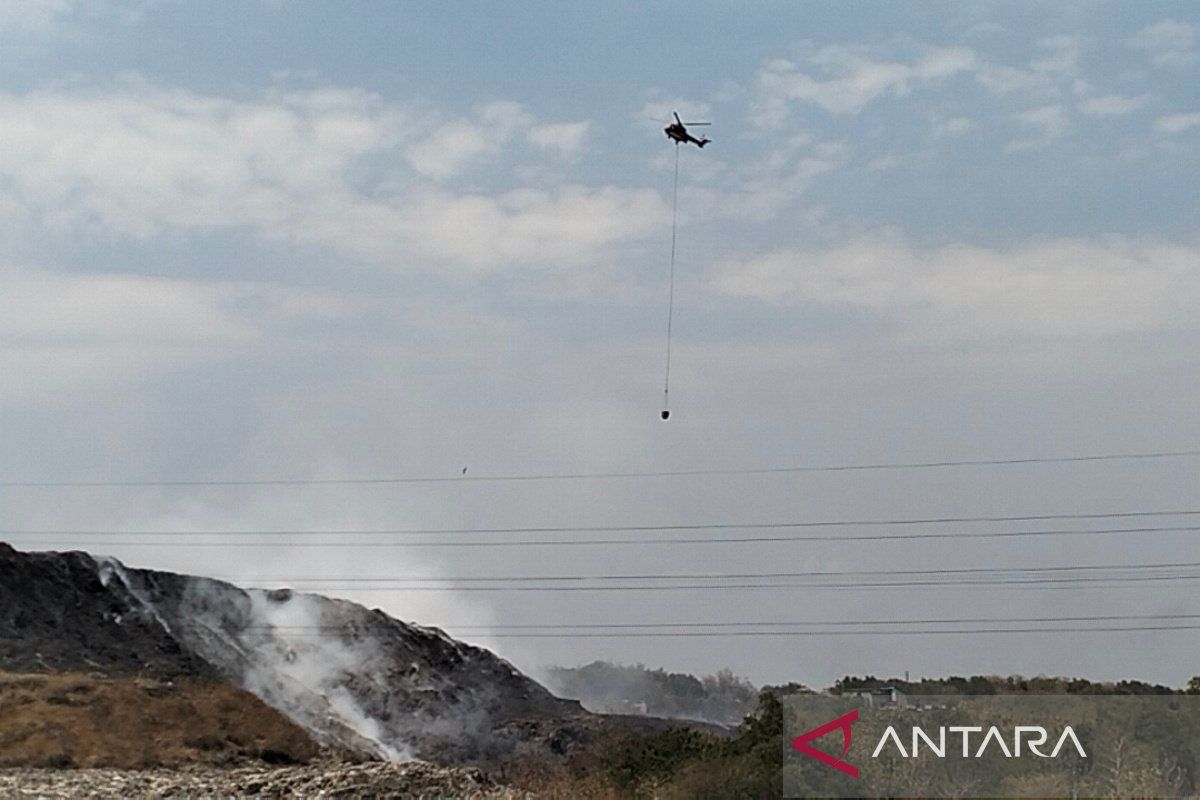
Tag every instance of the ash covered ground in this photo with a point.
(332, 779)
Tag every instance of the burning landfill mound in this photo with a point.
(356, 678)
(362, 684)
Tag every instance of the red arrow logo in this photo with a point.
(842, 723)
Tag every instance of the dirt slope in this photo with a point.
(56, 614)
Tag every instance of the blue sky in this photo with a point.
(310, 240)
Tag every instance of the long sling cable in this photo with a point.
(666, 412)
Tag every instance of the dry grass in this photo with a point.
(78, 720)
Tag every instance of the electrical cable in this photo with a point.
(570, 476)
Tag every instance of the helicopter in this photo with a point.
(678, 132)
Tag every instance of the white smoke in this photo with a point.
(109, 569)
(292, 645)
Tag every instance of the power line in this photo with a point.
(568, 476)
(836, 632)
(753, 624)
(562, 542)
(737, 575)
(839, 632)
(1049, 583)
(713, 526)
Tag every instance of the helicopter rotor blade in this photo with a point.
(697, 123)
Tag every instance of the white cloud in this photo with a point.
(449, 149)
(1060, 55)
(1049, 123)
(885, 162)
(849, 80)
(136, 161)
(1002, 79)
(38, 19)
(33, 15)
(1051, 72)
(566, 138)
(757, 190)
(49, 307)
(1167, 43)
(1177, 123)
(1054, 287)
(452, 147)
(61, 332)
(527, 226)
(69, 332)
(1111, 105)
(504, 117)
(955, 126)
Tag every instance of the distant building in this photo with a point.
(883, 697)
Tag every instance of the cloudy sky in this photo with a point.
(302, 240)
